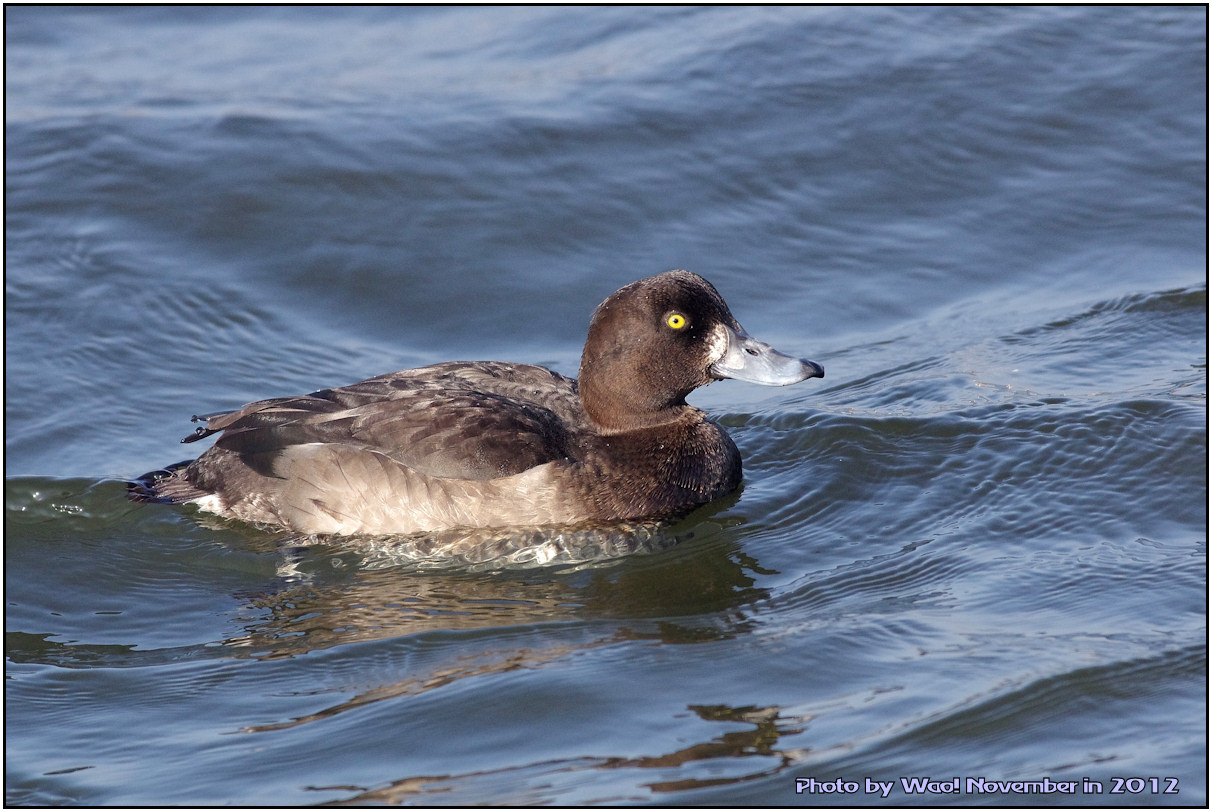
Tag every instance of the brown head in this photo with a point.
(654, 341)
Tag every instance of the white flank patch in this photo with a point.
(210, 503)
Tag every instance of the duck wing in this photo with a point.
(462, 420)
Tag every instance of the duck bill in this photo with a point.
(747, 359)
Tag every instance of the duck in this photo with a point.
(487, 444)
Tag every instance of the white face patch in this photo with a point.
(717, 343)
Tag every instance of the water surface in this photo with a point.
(977, 548)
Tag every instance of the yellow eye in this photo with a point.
(676, 320)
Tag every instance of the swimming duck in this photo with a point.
(490, 444)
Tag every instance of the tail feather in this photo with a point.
(164, 485)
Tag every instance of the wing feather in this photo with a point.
(465, 420)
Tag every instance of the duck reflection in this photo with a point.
(337, 595)
(692, 594)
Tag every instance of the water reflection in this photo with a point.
(332, 594)
(328, 600)
(378, 605)
(768, 727)
(760, 741)
(474, 664)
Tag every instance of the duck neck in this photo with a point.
(616, 409)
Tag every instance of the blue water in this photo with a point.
(975, 550)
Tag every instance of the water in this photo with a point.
(976, 549)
